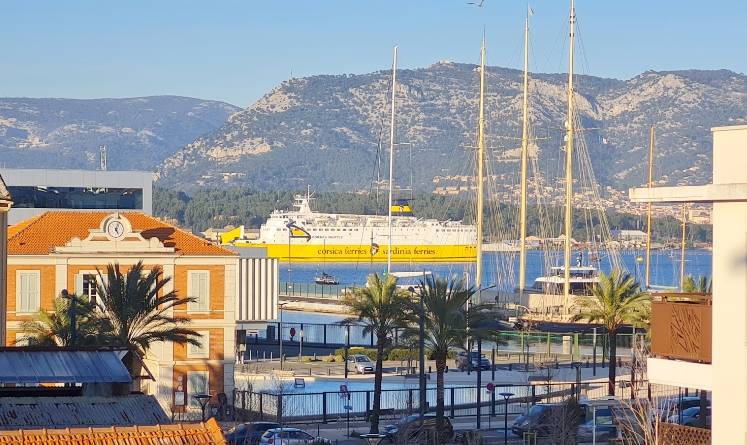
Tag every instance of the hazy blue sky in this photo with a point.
(237, 50)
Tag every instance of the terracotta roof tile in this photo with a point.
(207, 433)
(41, 234)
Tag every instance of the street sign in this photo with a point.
(490, 387)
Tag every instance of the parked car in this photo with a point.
(412, 428)
(463, 360)
(362, 364)
(541, 419)
(672, 406)
(605, 428)
(289, 436)
(248, 433)
(691, 417)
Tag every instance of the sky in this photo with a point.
(237, 50)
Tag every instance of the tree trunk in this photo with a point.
(378, 377)
(613, 362)
(440, 368)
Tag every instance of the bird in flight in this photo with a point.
(479, 5)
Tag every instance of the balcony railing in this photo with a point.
(681, 326)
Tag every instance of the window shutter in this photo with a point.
(204, 290)
(79, 284)
(34, 291)
(23, 286)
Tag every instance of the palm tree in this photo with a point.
(379, 306)
(53, 328)
(448, 324)
(616, 301)
(700, 285)
(137, 307)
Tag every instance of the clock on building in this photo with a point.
(115, 228)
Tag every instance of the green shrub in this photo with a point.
(329, 359)
(402, 354)
(368, 352)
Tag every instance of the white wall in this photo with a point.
(730, 291)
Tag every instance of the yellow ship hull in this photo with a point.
(344, 253)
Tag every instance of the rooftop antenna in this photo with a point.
(102, 157)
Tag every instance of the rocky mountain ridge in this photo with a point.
(331, 131)
(138, 132)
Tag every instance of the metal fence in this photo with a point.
(282, 404)
(313, 290)
(528, 343)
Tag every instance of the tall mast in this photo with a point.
(480, 171)
(391, 163)
(651, 142)
(569, 167)
(524, 156)
(682, 247)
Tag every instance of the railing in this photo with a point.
(681, 326)
(313, 290)
(293, 407)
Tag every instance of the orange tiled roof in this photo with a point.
(41, 234)
(207, 433)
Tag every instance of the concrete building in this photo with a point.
(5, 205)
(713, 354)
(38, 190)
(65, 249)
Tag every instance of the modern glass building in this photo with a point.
(36, 191)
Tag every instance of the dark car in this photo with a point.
(671, 406)
(248, 433)
(472, 360)
(605, 428)
(541, 419)
(691, 417)
(416, 429)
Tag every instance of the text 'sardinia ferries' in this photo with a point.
(304, 235)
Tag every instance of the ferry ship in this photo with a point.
(303, 235)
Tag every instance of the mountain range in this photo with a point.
(139, 132)
(332, 131)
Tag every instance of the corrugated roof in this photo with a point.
(207, 433)
(25, 365)
(61, 412)
(41, 234)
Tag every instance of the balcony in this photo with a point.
(681, 327)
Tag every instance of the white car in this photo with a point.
(289, 436)
(362, 364)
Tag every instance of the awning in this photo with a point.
(29, 366)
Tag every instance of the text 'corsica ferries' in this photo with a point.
(305, 235)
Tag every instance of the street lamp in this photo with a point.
(203, 400)
(71, 313)
(506, 396)
(577, 365)
(421, 352)
(281, 304)
(347, 347)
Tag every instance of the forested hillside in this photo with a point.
(219, 208)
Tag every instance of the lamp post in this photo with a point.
(347, 347)
(421, 353)
(203, 400)
(506, 396)
(577, 365)
(300, 345)
(71, 313)
(281, 304)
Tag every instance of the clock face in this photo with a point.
(115, 229)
